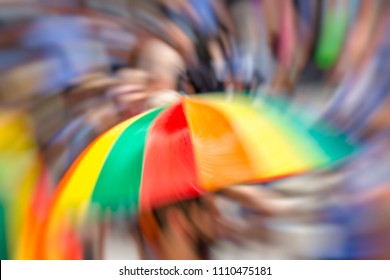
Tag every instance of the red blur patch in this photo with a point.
(169, 172)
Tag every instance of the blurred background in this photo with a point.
(72, 69)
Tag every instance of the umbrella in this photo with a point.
(196, 145)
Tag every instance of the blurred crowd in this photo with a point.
(72, 69)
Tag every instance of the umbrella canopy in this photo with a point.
(180, 151)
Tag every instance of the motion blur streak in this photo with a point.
(71, 70)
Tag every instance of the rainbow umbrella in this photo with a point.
(177, 152)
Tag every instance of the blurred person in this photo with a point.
(246, 36)
(307, 24)
(287, 34)
(362, 210)
(67, 39)
(212, 15)
(265, 61)
(280, 41)
(365, 88)
(162, 63)
(181, 14)
(357, 42)
(212, 28)
(366, 213)
(183, 230)
(155, 21)
(136, 92)
(165, 67)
